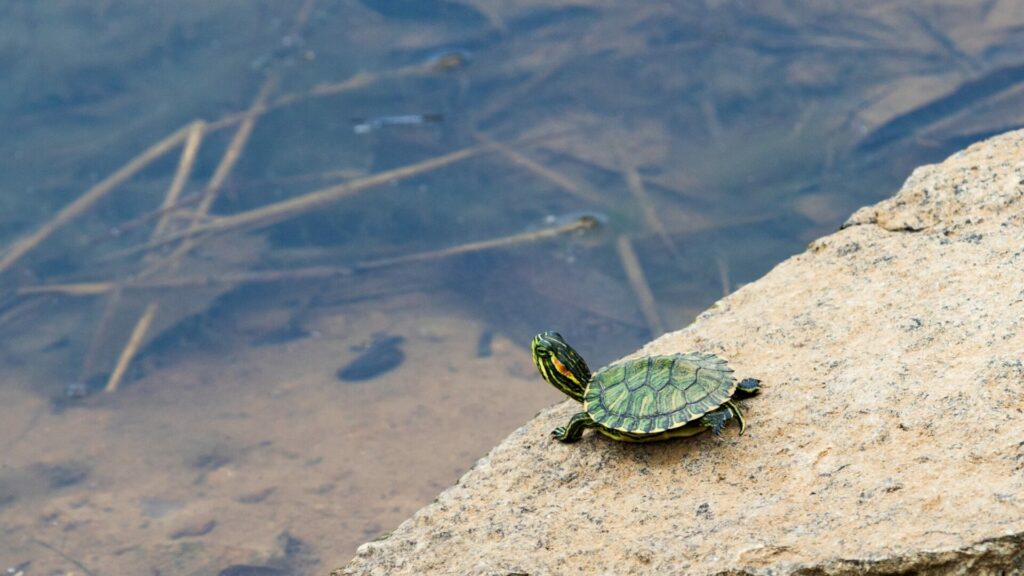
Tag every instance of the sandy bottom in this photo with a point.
(260, 456)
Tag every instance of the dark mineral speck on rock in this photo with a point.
(704, 511)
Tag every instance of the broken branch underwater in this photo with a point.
(584, 222)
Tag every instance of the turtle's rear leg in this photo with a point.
(573, 431)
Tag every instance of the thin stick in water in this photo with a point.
(272, 213)
(266, 276)
(85, 569)
(557, 178)
(582, 223)
(220, 175)
(181, 175)
(360, 80)
(90, 197)
(636, 185)
(224, 168)
(638, 282)
(596, 164)
(101, 333)
(141, 327)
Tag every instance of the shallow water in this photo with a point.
(306, 381)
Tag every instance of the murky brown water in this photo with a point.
(709, 139)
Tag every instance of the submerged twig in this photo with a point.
(636, 185)
(581, 223)
(210, 194)
(91, 196)
(613, 170)
(235, 148)
(557, 178)
(267, 276)
(58, 552)
(194, 198)
(360, 80)
(220, 175)
(19, 307)
(272, 213)
(256, 277)
(100, 335)
(134, 342)
(181, 176)
(140, 221)
(514, 97)
(638, 282)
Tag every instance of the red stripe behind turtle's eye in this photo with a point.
(563, 370)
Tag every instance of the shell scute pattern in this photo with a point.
(636, 374)
(658, 393)
(660, 372)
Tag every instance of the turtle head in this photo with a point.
(560, 365)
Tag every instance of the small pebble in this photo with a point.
(18, 570)
(383, 355)
(197, 528)
(485, 344)
(246, 570)
(256, 497)
(76, 390)
(63, 475)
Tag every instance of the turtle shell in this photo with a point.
(657, 393)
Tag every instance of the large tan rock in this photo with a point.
(889, 438)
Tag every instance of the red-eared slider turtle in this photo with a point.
(645, 399)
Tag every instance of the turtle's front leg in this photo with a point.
(716, 419)
(573, 431)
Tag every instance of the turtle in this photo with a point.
(644, 399)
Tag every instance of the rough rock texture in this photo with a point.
(889, 438)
